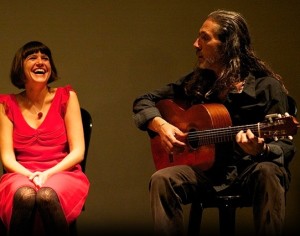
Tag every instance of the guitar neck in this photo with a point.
(198, 120)
(207, 124)
(220, 135)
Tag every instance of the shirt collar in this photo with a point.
(249, 86)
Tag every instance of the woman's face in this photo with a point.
(37, 68)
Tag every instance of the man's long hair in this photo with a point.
(237, 54)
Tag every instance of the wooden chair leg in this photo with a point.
(227, 220)
(195, 218)
(3, 230)
(73, 228)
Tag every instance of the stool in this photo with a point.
(226, 205)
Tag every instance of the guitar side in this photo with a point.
(197, 117)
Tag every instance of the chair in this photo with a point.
(87, 123)
(226, 203)
(87, 128)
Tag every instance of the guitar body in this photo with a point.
(197, 117)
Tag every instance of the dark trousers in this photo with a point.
(171, 187)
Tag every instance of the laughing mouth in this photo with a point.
(40, 71)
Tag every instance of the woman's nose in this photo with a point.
(39, 61)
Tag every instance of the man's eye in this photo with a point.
(205, 37)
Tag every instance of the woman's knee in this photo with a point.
(46, 196)
(24, 196)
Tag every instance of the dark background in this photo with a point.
(111, 51)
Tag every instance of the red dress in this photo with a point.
(40, 149)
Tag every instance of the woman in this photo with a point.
(42, 144)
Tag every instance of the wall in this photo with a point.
(112, 51)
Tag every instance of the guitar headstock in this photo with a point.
(278, 126)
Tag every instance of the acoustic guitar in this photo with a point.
(207, 125)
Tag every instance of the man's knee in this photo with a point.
(269, 173)
(266, 169)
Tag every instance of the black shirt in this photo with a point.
(259, 97)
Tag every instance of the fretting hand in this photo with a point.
(250, 143)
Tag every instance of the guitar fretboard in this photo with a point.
(205, 137)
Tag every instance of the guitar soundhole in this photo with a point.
(192, 139)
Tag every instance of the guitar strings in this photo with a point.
(224, 129)
(219, 135)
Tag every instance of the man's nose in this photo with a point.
(196, 43)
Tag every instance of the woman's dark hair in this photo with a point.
(17, 70)
(236, 51)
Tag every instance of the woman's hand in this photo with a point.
(250, 143)
(38, 178)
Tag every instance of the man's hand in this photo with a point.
(250, 143)
(170, 138)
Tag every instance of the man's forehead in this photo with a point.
(209, 27)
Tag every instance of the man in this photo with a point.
(228, 73)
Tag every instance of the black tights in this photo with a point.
(25, 204)
(23, 212)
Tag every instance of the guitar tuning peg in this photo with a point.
(270, 117)
(287, 114)
(290, 137)
(276, 138)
